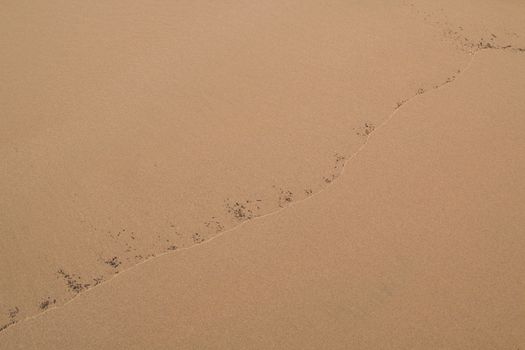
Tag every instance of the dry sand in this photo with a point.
(134, 134)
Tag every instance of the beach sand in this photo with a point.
(286, 175)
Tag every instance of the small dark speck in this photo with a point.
(13, 312)
(98, 280)
(197, 238)
(113, 262)
(44, 304)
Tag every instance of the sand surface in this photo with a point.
(286, 175)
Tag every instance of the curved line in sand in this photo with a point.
(240, 225)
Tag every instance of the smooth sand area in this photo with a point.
(418, 245)
(267, 174)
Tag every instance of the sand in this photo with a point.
(273, 175)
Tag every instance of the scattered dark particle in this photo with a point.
(285, 197)
(214, 224)
(420, 91)
(365, 130)
(308, 191)
(197, 238)
(98, 280)
(330, 178)
(72, 282)
(113, 262)
(340, 158)
(13, 312)
(172, 247)
(239, 211)
(46, 303)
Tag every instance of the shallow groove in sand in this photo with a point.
(278, 210)
(109, 256)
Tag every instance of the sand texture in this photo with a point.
(260, 175)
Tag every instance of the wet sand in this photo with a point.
(173, 176)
